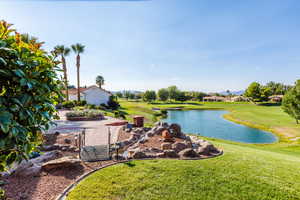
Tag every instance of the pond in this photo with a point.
(210, 123)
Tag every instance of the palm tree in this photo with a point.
(100, 81)
(78, 49)
(63, 52)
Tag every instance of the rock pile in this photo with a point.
(166, 141)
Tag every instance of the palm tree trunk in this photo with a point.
(65, 77)
(78, 77)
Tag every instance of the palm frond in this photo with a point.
(78, 48)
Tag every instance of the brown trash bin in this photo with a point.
(138, 121)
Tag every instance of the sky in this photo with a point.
(201, 45)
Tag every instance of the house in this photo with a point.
(276, 98)
(92, 95)
(214, 98)
(239, 99)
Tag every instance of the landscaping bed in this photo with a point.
(163, 141)
(47, 184)
(85, 115)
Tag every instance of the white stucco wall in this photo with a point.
(96, 96)
(73, 97)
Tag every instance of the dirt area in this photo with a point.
(123, 135)
(48, 185)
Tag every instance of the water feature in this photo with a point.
(210, 123)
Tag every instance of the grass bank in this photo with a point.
(244, 172)
(267, 117)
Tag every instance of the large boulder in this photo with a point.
(207, 149)
(61, 163)
(143, 140)
(197, 140)
(68, 141)
(118, 157)
(33, 167)
(188, 153)
(50, 138)
(175, 130)
(138, 131)
(170, 154)
(139, 155)
(160, 155)
(51, 155)
(188, 144)
(166, 146)
(179, 146)
(159, 130)
(61, 147)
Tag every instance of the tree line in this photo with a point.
(258, 93)
(163, 94)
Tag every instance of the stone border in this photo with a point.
(63, 195)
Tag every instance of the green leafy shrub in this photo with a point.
(79, 108)
(164, 112)
(80, 103)
(120, 114)
(29, 88)
(68, 104)
(291, 102)
(2, 194)
(90, 106)
(101, 107)
(113, 103)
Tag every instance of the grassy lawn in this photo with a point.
(243, 172)
(270, 118)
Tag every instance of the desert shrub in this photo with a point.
(29, 89)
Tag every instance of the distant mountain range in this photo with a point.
(240, 92)
(131, 91)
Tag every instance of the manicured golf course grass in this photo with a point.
(243, 172)
(267, 117)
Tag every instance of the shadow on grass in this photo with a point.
(130, 164)
(176, 103)
(269, 104)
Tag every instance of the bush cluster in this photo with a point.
(85, 113)
(72, 104)
(29, 89)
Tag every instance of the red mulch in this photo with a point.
(48, 185)
(156, 141)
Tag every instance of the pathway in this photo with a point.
(96, 131)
